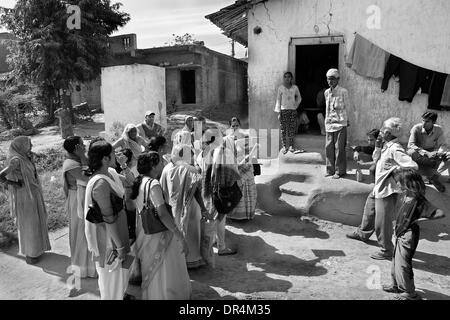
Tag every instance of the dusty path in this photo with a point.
(279, 258)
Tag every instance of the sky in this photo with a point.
(154, 22)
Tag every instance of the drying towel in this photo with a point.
(436, 90)
(445, 101)
(366, 58)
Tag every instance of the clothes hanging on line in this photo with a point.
(412, 77)
(445, 101)
(436, 90)
(367, 59)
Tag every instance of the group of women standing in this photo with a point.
(106, 192)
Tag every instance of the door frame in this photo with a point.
(314, 40)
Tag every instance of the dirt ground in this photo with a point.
(278, 258)
(50, 136)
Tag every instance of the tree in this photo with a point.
(185, 39)
(50, 55)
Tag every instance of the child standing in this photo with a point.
(413, 208)
(288, 100)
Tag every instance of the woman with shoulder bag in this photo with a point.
(162, 249)
(106, 225)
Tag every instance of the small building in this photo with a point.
(307, 37)
(197, 78)
(123, 46)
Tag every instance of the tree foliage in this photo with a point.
(50, 55)
(181, 40)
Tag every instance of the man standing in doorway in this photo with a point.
(427, 147)
(149, 128)
(336, 123)
(380, 205)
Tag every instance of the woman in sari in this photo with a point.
(75, 188)
(130, 139)
(218, 169)
(185, 135)
(162, 255)
(181, 184)
(109, 238)
(26, 200)
(245, 210)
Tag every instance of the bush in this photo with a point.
(50, 160)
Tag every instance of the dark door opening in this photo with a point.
(187, 84)
(312, 63)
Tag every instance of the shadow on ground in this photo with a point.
(288, 226)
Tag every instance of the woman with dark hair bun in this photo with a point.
(159, 144)
(162, 254)
(74, 189)
(107, 240)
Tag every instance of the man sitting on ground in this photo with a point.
(427, 147)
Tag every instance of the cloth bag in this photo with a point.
(225, 199)
(207, 236)
(151, 223)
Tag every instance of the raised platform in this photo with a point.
(294, 185)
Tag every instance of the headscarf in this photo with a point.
(223, 171)
(179, 182)
(130, 143)
(19, 149)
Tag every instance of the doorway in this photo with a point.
(312, 61)
(187, 84)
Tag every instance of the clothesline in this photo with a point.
(369, 60)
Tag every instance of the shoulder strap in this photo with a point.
(147, 199)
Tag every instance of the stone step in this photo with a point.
(295, 188)
(302, 158)
(294, 205)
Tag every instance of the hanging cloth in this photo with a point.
(436, 90)
(445, 101)
(367, 59)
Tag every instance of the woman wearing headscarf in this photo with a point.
(219, 170)
(108, 240)
(74, 189)
(181, 184)
(162, 254)
(185, 135)
(131, 139)
(26, 200)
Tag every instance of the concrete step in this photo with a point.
(295, 188)
(305, 158)
(294, 205)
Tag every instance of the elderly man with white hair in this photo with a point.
(336, 123)
(380, 205)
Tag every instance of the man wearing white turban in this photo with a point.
(380, 205)
(336, 123)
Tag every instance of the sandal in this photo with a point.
(405, 296)
(227, 252)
